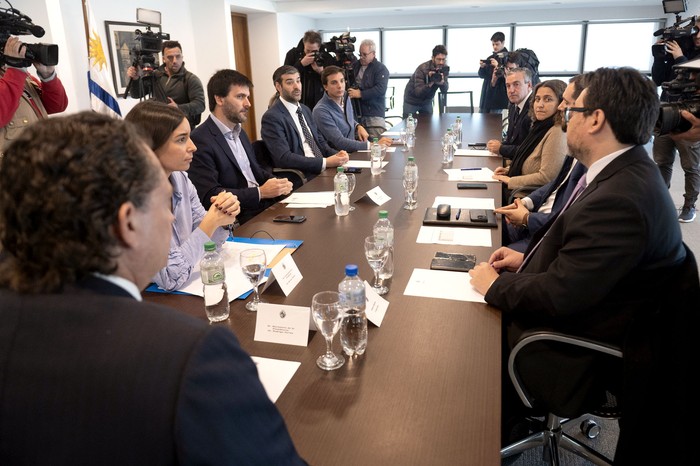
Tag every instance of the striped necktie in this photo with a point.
(307, 134)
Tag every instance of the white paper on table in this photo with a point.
(236, 282)
(486, 203)
(378, 196)
(283, 324)
(442, 284)
(455, 235)
(389, 134)
(307, 206)
(475, 153)
(316, 198)
(274, 374)
(483, 175)
(363, 164)
(388, 149)
(287, 274)
(376, 306)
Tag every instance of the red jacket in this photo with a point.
(53, 95)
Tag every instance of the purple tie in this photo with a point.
(580, 186)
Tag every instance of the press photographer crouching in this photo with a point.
(676, 45)
(25, 99)
(170, 83)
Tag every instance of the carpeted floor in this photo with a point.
(606, 441)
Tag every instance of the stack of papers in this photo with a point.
(471, 174)
(307, 200)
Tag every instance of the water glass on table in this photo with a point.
(327, 315)
(376, 252)
(253, 265)
(352, 181)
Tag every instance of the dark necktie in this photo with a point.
(307, 134)
(580, 186)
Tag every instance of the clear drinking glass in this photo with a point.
(376, 252)
(327, 314)
(404, 135)
(253, 264)
(410, 184)
(352, 181)
(410, 140)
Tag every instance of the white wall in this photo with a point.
(204, 29)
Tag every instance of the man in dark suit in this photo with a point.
(87, 367)
(225, 160)
(289, 131)
(519, 89)
(608, 259)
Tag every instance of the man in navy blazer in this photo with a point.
(225, 160)
(519, 89)
(607, 261)
(283, 130)
(87, 367)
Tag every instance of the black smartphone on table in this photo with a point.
(289, 219)
(353, 170)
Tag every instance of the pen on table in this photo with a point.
(463, 169)
(459, 212)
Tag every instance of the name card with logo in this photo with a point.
(280, 323)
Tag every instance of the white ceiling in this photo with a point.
(326, 8)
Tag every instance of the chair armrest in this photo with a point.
(537, 335)
(521, 192)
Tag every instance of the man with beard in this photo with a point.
(225, 160)
(609, 265)
(289, 131)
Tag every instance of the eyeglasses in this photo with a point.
(568, 110)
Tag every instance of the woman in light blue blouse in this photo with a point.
(167, 131)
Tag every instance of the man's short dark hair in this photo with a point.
(312, 37)
(628, 99)
(170, 44)
(498, 37)
(281, 71)
(329, 70)
(579, 81)
(439, 49)
(221, 82)
(62, 182)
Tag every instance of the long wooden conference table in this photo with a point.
(427, 391)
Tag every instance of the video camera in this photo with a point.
(682, 91)
(438, 75)
(146, 48)
(501, 58)
(13, 22)
(682, 29)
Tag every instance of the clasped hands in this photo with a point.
(514, 213)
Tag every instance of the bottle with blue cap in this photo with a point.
(353, 328)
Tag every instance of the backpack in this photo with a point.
(532, 62)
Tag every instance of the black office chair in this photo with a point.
(553, 438)
(443, 107)
(262, 155)
(389, 98)
(648, 387)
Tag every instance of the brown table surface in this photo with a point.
(427, 391)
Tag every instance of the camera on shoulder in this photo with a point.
(13, 22)
(682, 94)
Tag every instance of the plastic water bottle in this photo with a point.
(342, 197)
(384, 230)
(214, 282)
(448, 148)
(410, 184)
(375, 152)
(411, 124)
(353, 328)
(458, 132)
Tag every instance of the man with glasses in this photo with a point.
(519, 89)
(611, 256)
(424, 83)
(371, 79)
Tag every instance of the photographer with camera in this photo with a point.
(424, 83)
(170, 83)
(493, 91)
(308, 59)
(676, 46)
(23, 98)
(371, 80)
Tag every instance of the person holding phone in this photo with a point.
(169, 132)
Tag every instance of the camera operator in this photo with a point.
(493, 91)
(306, 58)
(665, 146)
(171, 83)
(424, 83)
(371, 80)
(23, 98)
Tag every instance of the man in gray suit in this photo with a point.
(87, 367)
